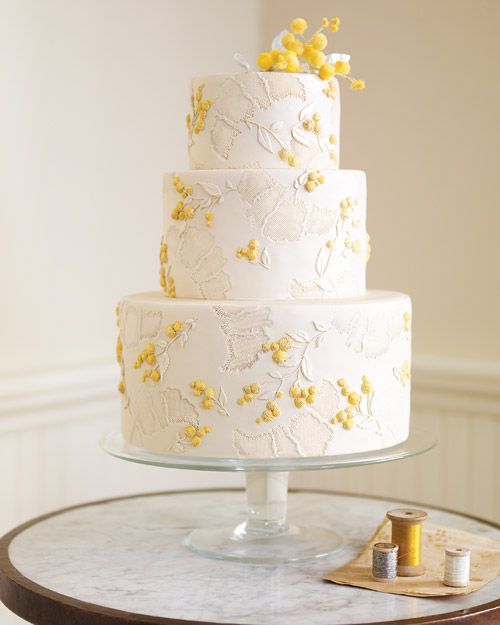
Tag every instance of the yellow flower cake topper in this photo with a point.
(293, 52)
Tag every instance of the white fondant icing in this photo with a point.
(256, 114)
(222, 342)
(309, 247)
(269, 346)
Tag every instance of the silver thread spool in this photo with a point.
(456, 567)
(385, 562)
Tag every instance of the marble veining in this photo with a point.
(129, 555)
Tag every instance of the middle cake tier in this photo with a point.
(264, 233)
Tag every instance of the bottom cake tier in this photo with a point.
(265, 379)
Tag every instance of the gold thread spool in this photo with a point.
(407, 534)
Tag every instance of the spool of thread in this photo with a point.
(385, 562)
(456, 567)
(407, 535)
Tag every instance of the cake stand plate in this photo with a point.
(266, 536)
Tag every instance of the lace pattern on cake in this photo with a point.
(244, 329)
(328, 279)
(198, 252)
(280, 213)
(368, 332)
(305, 435)
(154, 411)
(238, 100)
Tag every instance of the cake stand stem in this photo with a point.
(267, 503)
(265, 536)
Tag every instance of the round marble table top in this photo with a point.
(126, 561)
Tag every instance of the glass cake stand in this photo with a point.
(266, 536)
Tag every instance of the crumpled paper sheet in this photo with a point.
(485, 563)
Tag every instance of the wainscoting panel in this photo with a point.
(60, 464)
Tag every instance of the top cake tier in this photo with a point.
(253, 120)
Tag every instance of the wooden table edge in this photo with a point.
(41, 606)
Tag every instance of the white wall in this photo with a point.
(94, 96)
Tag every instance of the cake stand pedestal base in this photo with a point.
(265, 537)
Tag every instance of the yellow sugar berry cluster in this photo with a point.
(119, 350)
(302, 396)
(174, 329)
(250, 392)
(279, 60)
(346, 206)
(330, 244)
(330, 90)
(352, 244)
(183, 209)
(209, 219)
(332, 24)
(180, 212)
(288, 156)
(196, 434)
(167, 283)
(353, 398)
(151, 374)
(251, 253)
(345, 417)
(279, 349)
(368, 248)
(163, 253)
(347, 414)
(163, 279)
(201, 389)
(405, 372)
(332, 140)
(312, 125)
(148, 355)
(271, 412)
(366, 386)
(299, 51)
(184, 190)
(406, 321)
(200, 109)
(314, 178)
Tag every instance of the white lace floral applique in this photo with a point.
(245, 330)
(277, 211)
(237, 101)
(367, 332)
(328, 280)
(199, 254)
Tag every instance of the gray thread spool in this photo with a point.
(456, 567)
(385, 562)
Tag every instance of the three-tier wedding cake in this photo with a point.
(264, 342)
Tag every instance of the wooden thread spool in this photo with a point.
(385, 562)
(407, 534)
(456, 567)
